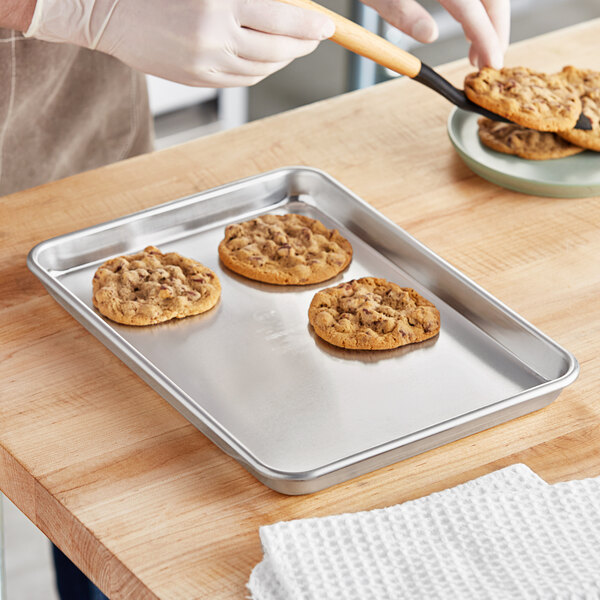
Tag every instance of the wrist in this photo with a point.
(16, 14)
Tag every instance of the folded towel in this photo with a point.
(505, 535)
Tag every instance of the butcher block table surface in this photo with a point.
(138, 498)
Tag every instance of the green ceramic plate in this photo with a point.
(576, 176)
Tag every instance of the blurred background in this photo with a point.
(182, 114)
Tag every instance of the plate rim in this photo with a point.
(517, 179)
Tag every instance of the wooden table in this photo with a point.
(143, 502)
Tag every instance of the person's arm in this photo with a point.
(212, 43)
(16, 14)
(486, 24)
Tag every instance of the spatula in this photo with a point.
(352, 36)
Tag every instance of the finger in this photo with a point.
(473, 57)
(471, 14)
(477, 58)
(227, 80)
(266, 47)
(499, 14)
(272, 16)
(484, 57)
(236, 65)
(407, 16)
(237, 75)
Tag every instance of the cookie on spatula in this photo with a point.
(528, 98)
(372, 314)
(587, 84)
(151, 287)
(523, 142)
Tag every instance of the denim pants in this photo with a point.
(72, 584)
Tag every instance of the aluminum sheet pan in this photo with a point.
(298, 413)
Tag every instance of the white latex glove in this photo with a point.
(486, 24)
(212, 43)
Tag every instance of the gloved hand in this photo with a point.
(212, 43)
(486, 24)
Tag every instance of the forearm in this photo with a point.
(16, 14)
(205, 43)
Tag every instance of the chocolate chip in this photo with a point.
(305, 234)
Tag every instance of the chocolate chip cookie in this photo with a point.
(521, 141)
(587, 84)
(285, 250)
(151, 287)
(372, 314)
(535, 100)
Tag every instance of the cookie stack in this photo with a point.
(543, 109)
(363, 314)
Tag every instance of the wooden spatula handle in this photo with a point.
(362, 41)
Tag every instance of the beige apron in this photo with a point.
(65, 109)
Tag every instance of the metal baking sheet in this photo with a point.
(299, 414)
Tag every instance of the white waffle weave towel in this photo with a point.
(507, 535)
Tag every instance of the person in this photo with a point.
(73, 94)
